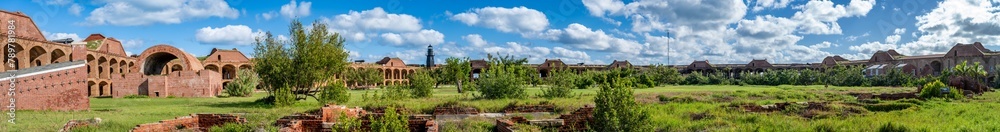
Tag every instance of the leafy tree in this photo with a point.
(244, 84)
(456, 70)
(391, 121)
(973, 71)
(585, 80)
(560, 83)
(892, 77)
(334, 92)
(616, 109)
(365, 77)
(808, 77)
(663, 74)
(421, 84)
(311, 58)
(504, 78)
(846, 76)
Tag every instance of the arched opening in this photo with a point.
(176, 67)
(90, 88)
(936, 66)
(122, 66)
(17, 49)
(90, 62)
(212, 67)
(112, 67)
(130, 65)
(35, 55)
(224, 84)
(228, 72)
(58, 56)
(156, 62)
(102, 88)
(245, 67)
(101, 64)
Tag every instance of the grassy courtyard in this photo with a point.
(697, 108)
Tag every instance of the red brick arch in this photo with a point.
(153, 60)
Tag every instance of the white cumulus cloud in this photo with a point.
(516, 19)
(228, 35)
(131, 13)
(293, 10)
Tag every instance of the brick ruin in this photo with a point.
(194, 122)
(324, 120)
(60, 86)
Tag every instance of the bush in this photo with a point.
(421, 84)
(890, 127)
(616, 109)
(393, 92)
(663, 74)
(586, 80)
(284, 97)
(934, 90)
(244, 84)
(695, 78)
(335, 92)
(504, 79)
(560, 84)
(390, 122)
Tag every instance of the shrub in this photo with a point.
(663, 74)
(421, 84)
(695, 78)
(389, 122)
(890, 127)
(284, 97)
(393, 92)
(934, 90)
(586, 80)
(244, 84)
(616, 109)
(335, 92)
(560, 84)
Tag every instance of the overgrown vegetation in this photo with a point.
(937, 89)
(243, 85)
(334, 93)
(421, 84)
(311, 58)
(616, 109)
(456, 70)
(390, 121)
(561, 82)
(505, 78)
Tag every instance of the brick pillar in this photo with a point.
(79, 51)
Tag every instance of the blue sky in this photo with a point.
(588, 31)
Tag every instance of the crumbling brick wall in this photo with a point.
(202, 83)
(577, 120)
(198, 122)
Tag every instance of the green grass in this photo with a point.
(979, 114)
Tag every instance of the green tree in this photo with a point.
(365, 77)
(421, 84)
(616, 109)
(456, 70)
(663, 74)
(504, 78)
(391, 121)
(560, 83)
(244, 84)
(312, 57)
(334, 92)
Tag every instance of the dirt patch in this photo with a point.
(700, 116)
(886, 96)
(803, 109)
(541, 107)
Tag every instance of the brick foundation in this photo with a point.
(203, 83)
(322, 120)
(194, 122)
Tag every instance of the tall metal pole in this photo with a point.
(668, 49)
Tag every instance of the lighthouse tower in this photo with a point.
(430, 56)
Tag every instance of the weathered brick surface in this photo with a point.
(577, 121)
(48, 89)
(203, 83)
(504, 125)
(194, 122)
